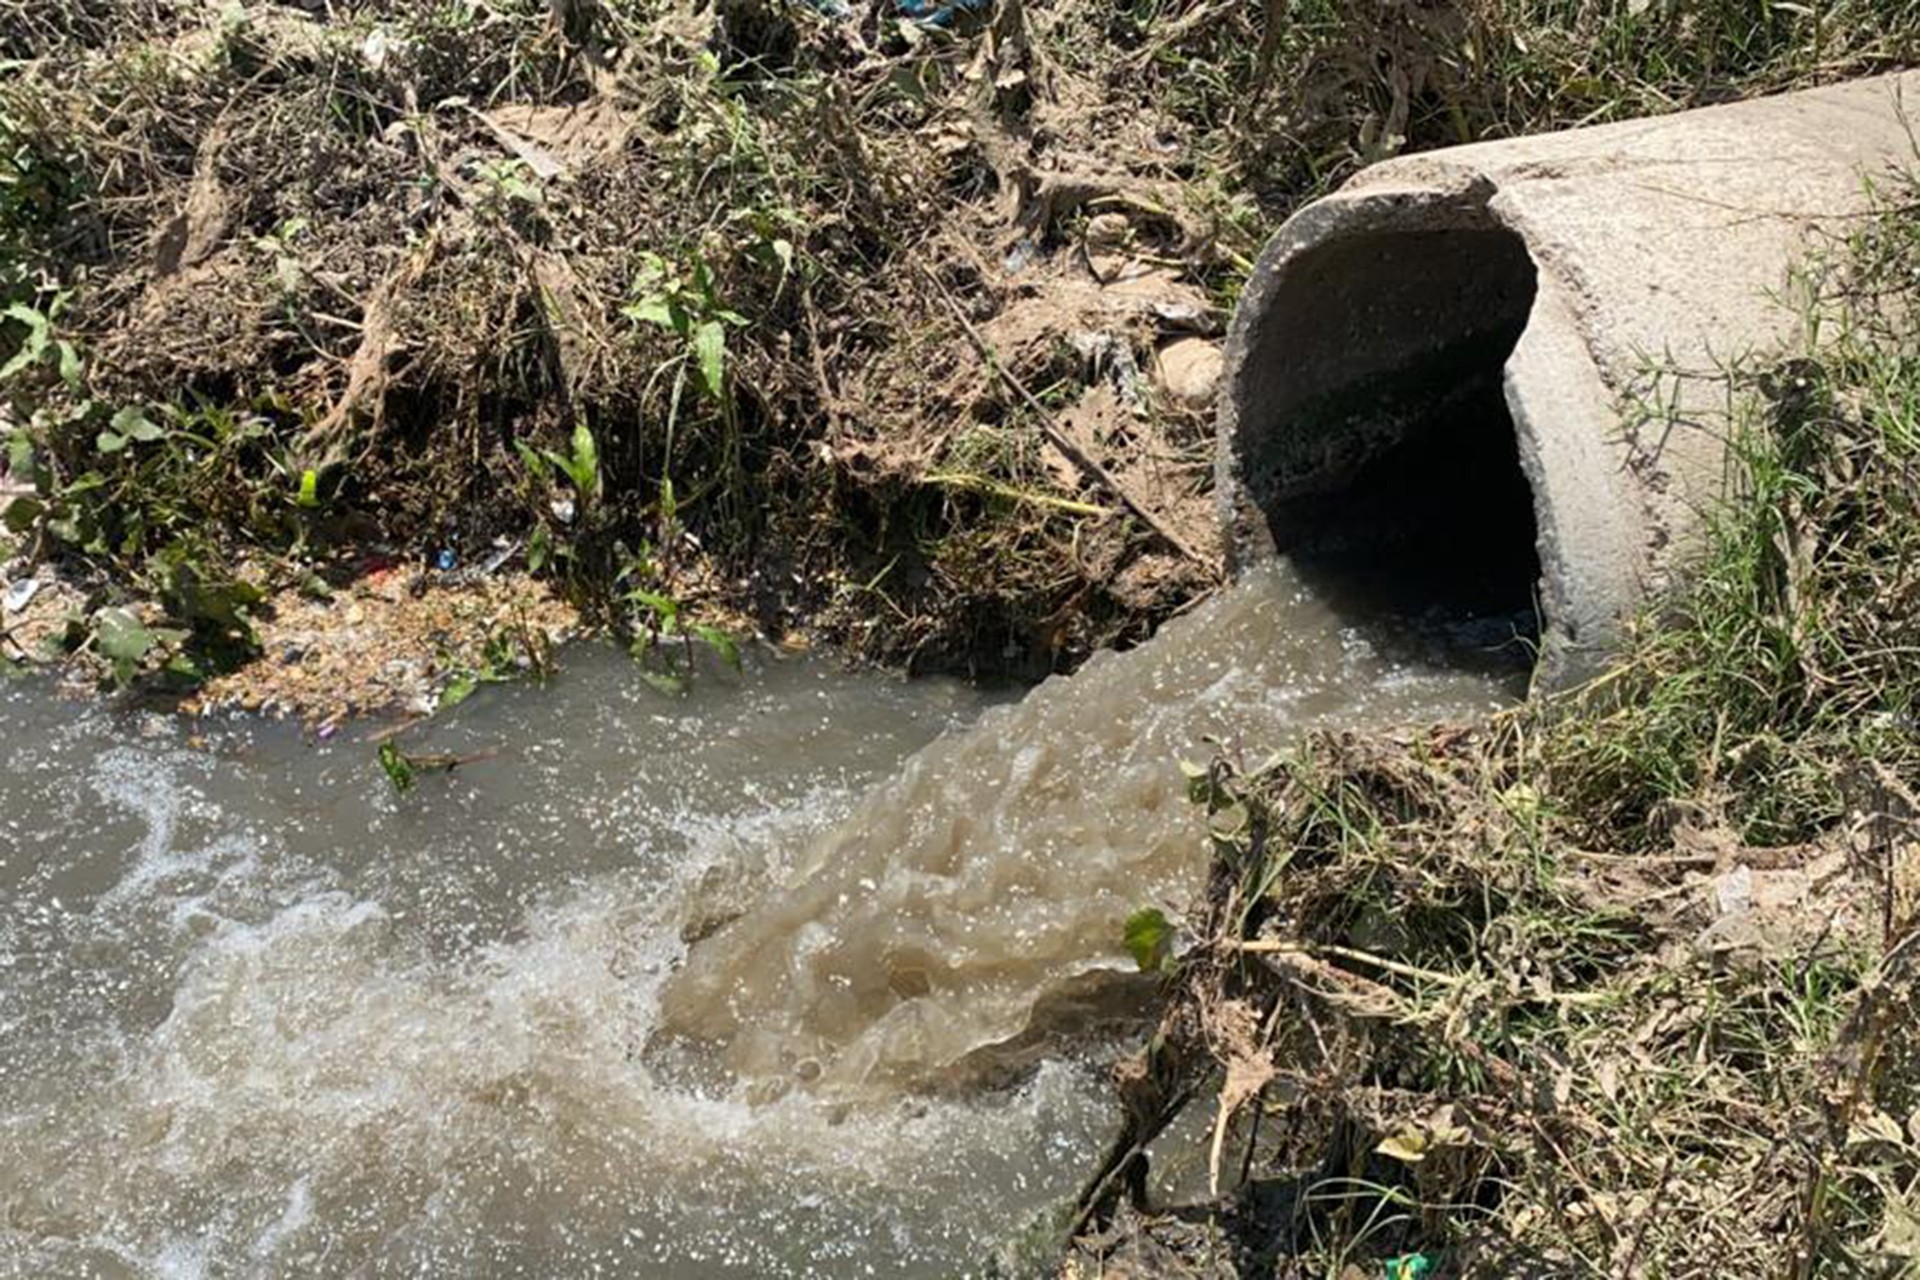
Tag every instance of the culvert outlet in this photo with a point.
(1484, 381)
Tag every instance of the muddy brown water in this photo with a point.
(261, 1017)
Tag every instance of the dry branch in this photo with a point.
(1061, 441)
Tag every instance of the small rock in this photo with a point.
(1107, 236)
(1733, 892)
(1108, 230)
(1189, 371)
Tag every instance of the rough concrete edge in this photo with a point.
(1455, 199)
(1564, 413)
(1586, 541)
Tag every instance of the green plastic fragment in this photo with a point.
(1408, 1266)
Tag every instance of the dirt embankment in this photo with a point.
(897, 333)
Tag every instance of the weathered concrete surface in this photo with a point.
(1655, 249)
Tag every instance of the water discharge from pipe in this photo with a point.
(260, 1017)
(910, 946)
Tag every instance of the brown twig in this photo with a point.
(1074, 453)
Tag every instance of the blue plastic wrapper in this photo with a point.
(938, 13)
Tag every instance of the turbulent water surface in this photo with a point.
(260, 1016)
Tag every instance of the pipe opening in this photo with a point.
(1377, 442)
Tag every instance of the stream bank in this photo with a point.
(895, 336)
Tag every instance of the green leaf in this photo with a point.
(120, 637)
(665, 609)
(398, 768)
(37, 324)
(1149, 938)
(458, 691)
(1199, 782)
(539, 549)
(21, 460)
(655, 310)
(39, 331)
(586, 461)
(309, 489)
(133, 423)
(710, 349)
(69, 365)
(109, 442)
(721, 643)
(534, 462)
(22, 512)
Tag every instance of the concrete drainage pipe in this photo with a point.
(1433, 374)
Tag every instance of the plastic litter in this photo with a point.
(505, 552)
(937, 13)
(1408, 1266)
(21, 594)
(445, 560)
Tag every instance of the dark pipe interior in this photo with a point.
(1430, 546)
(1393, 482)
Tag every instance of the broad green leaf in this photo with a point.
(133, 423)
(36, 323)
(35, 343)
(120, 637)
(69, 365)
(22, 512)
(21, 460)
(1199, 782)
(539, 549)
(458, 691)
(720, 642)
(109, 441)
(1149, 938)
(535, 463)
(655, 310)
(710, 350)
(665, 609)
